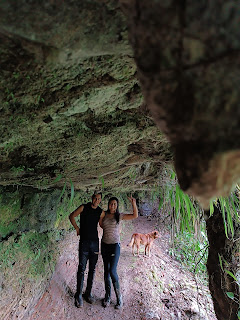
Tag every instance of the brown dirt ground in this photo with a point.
(153, 288)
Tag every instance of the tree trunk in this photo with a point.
(220, 282)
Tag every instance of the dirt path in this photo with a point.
(153, 288)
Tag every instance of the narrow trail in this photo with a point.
(153, 288)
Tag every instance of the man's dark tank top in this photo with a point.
(88, 222)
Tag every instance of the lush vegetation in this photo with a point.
(31, 226)
(185, 220)
(192, 252)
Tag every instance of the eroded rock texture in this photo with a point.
(187, 54)
(71, 106)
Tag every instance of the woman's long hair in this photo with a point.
(117, 213)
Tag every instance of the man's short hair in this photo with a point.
(97, 192)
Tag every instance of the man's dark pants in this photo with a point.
(88, 250)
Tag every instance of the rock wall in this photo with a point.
(187, 54)
(71, 105)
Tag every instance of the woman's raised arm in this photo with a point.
(134, 215)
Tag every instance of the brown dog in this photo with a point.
(145, 239)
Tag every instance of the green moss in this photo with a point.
(66, 207)
(22, 211)
(32, 253)
(10, 213)
(38, 250)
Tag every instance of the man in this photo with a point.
(90, 214)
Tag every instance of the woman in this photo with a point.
(110, 246)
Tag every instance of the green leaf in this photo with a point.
(231, 274)
(63, 190)
(59, 177)
(171, 198)
(192, 208)
(211, 208)
(101, 179)
(186, 199)
(234, 209)
(38, 255)
(236, 200)
(177, 198)
(72, 191)
(220, 261)
(160, 203)
(181, 199)
(230, 295)
(229, 218)
(238, 314)
(223, 215)
(173, 175)
(187, 224)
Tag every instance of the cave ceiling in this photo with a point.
(72, 90)
(71, 105)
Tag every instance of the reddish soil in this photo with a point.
(153, 288)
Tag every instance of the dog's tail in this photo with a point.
(131, 242)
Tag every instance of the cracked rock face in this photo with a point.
(71, 106)
(187, 55)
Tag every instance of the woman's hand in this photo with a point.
(132, 200)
